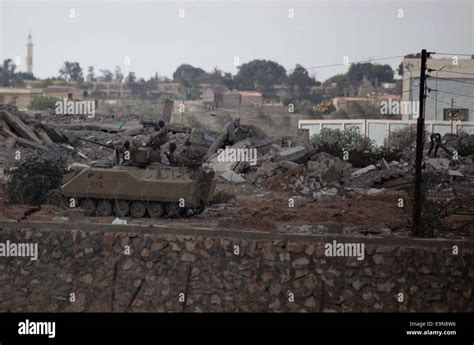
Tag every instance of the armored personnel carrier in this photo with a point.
(139, 188)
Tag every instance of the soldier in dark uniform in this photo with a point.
(171, 154)
(120, 153)
(161, 137)
(187, 154)
(155, 155)
(435, 140)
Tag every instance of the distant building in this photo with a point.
(172, 89)
(213, 97)
(452, 88)
(349, 103)
(29, 55)
(109, 89)
(366, 88)
(388, 98)
(231, 100)
(236, 99)
(21, 97)
(250, 98)
(62, 92)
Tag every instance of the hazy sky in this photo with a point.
(212, 33)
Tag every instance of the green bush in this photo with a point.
(305, 107)
(465, 145)
(362, 151)
(400, 140)
(286, 99)
(32, 181)
(43, 102)
(46, 83)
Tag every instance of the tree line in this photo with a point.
(265, 76)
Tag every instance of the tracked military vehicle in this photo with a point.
(141, 187)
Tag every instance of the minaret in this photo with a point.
(29, 56)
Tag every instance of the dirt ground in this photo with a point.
(268, 210)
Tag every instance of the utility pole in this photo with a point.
(420, 133)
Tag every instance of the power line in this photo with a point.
(446, 102)
(356, 62)
(454, 80)
(451, 93)
(453, 54)
(457, 72)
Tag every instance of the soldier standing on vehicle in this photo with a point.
(187, 154)
(162, 135)
(170, 155)
(155, 154)
(122, 154)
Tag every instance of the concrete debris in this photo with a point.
(232, 176)
(115, 127)
(328, 168)
(81, 155)
(118, 221)
(384, 164)
(375, 191)
(288, 165)
(332, 174)
(325, 193)
(20, 127)
(455, 173)
(218, 142)
(76, 165)
(31, 144)
(43, 135)
(363, 170)
(438, 164)
(267, 169)
(291, 154)
(302, 137)
(233, 133)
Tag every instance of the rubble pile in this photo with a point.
(303, 170)
(81, 141)
(22, 136)
(287, 164)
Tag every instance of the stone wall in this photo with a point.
(270, 273)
